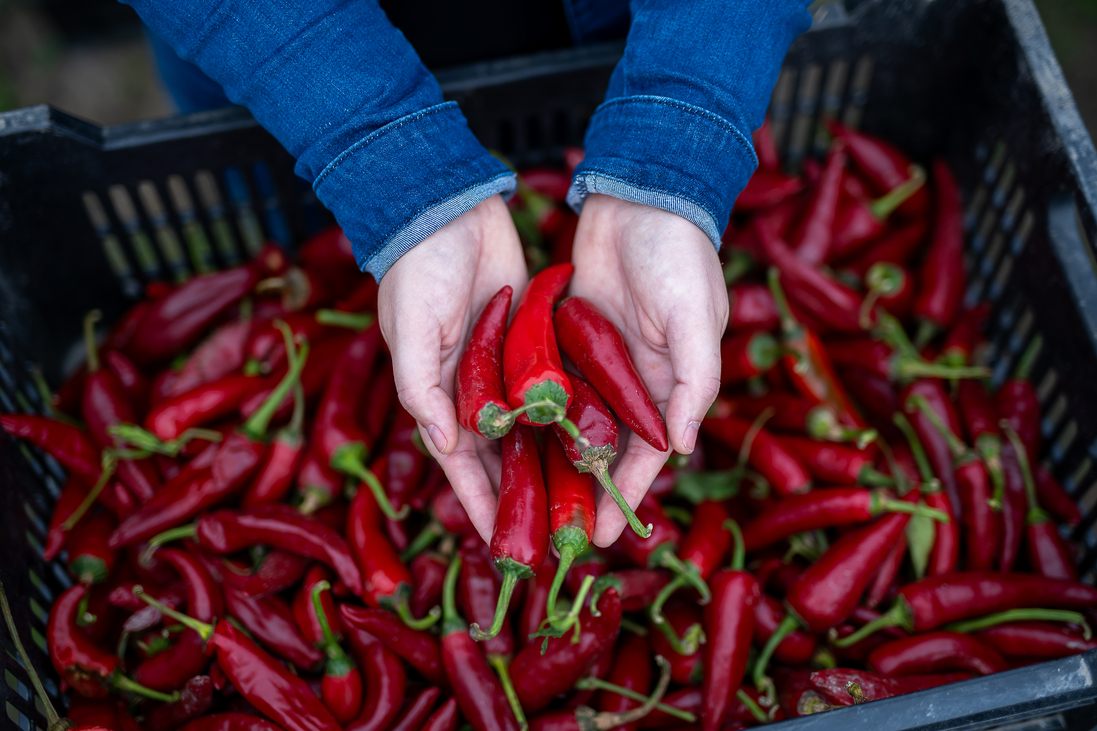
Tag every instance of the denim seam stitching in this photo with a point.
(376, 135)
(642, 186)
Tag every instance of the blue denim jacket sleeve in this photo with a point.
(347, 96)
(674, 130)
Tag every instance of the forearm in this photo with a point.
(674, 131)
(347, 96)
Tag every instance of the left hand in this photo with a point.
(658, 278)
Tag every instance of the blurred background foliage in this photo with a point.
(90, 58)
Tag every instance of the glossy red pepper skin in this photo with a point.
(69, 445)
(221, 353)
(385, 679)
(729, 626)
(795, 694)
(270, 620)
(230, 721)
(946, 543)
(1055, 499)
(202, 405)
(828, 591)
(279, 469)
(1043, 640)
(896, 246)
(1048, 554)
(278, 526)
(477, 593)
(235, 461)
(813, 236)
(534, 610)
(304, 613)
(936, 446)
(321, 363)
(1019, 404)
(72, 495)
(830, 462)
(982, 525)
(540, 678)
(480, 397)
(831, 684)
(941, 280)
(405, 464)
(278, 570)
(443, 719)
(75, 657)
(883, 165)
(645, 551)
(964, 334)
(416, 710)
(173, 667)
(822, 508)
(599, 351)
(532, 369)
(747, 355)
(105, 404)
(797, 648)
(133, 382)
(752, 307)
(632, 670)
(680, 614)
(337, 425)
(428, 570)
(781, 468)
(936, 652)
(418, 648)
(88, 713)
(385, 578)
(1014, 510)
(706, 542)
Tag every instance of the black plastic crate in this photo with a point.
(88, 214)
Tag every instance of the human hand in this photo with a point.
(427, 303)
(658, 278)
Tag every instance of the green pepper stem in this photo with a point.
(789, 323)
(173, 534)
(90, 345)
(451, 620)
(567, 557)
(321, 615)
(901, 506)
(763, 682)
(915, 446)
(255, 427)
(1022, 615)
(872, 477)
(52, 717)
(350, 459)
(907, 369)
(349, 320)
(900, 615)
(552, 627)
(431, 532)
(890, 330)
(1022, 461)
(403, 611)
(927, 331)
(885, 205)
(109, 465)
(755, 710)
(739, 263)
(959, 450)
(739, 551)
(205, 631)
(510, 581)
(587, 720)
(600, 470)
(668, 560)
(499, 664)
(121, 682)
(592, 682)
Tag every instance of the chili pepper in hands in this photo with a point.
(814, 234)
(729, 621)
(481, 400)
(936, 652)
(780, 467)
(941, 278)
(1043, 640)
(599, 351)
(270, 621)
(417, 647)
(519, 543)
(571, 504)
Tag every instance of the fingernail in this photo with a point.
(438, 438)
(690, 437)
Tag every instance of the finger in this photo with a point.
(695, 361)
(417, 368)
(469, 480)
(637, 468)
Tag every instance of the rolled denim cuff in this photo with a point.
(430, 168)
(667, 154)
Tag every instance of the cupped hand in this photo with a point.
(428, 302)
(658, 278)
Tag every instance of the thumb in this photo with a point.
(417, 369)
(695, 362)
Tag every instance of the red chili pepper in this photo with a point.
(683, 617)
(277, 570)
(791, 413)
(1043, 640)
(532, 369)
(836, 463)
(823, 297)
(982, 523)
(1019, 405)
(752, 308)
(270, 620)
(1054, 498)
(535, 606)
(221, 353)
(813, 235)
(538, 678)
(964, 334)
(936, 652)
(133, 382)
(314, 378)
(1014, 507)
(380, 398)
(477, 597)
(416, 710)
(89, 713)
(765, 189)
(428, 570)
(195, 698)
(304, 611)
(980, 419)
(172, 668)
(417, 647)
(481, 401)
(747, 355)
(341, 688)
(780, 467)
(859, 220)
(443, 719)
(888, 362)
(798, 647)
(264, 345)
(202, 405)
(883, 165)
(71, 497)
(941, 277)
(69, 445)
(846, 687)
(405, 463)
(283, 459)
(519, 542)
(177, 321)
(599, 351)
(637, 588)
(939, 600)
(571, 499)
(795, 693)
(274, 691)
(729, 625)
(935, 443)
(476, 689)
(598, 447)
(896, 246)
(90, 560)
(631, 670)
(230, 721)
(824, 508)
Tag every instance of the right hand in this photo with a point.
(427, 304)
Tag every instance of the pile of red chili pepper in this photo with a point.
(257, 539)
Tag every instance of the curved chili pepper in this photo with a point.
(477, 597)
(631, 670)
(939, 600)
(571, 505)
(535, 605)
(793, 414)
(443, 719)
(936, 445)
(836, 463)
(341, 688)
(218, 355)
(747, 355)
(233, 464)
(847, 687)
(1014, 508)
(276, 692)
(813, 235)
(519, 542)
(884, 582)
(277, 570)
(729, 625)
(304, 610)
(416, 710)
(825, 508)
(428, 571)
(1055, 499)
(287, 451)
(859, 220)
(405, 463)
(752, 308)
(941, 280)
(90, 560)
(683, 617)
(766, 188)
(532, 369)
(168, 419)
(883, 165)
(195, 698)
(481, 401)
(780, 467)
(270, 620)
(172, 668)
(1019, 404)
(797, 648)
(936, 652)
(980, 419)
(72, 497)
(896, 246)
(538, 678)
(69, 445)
(1043, 640)
(230, 721)
(475, 687)
(598, 350)
(598, 448)
(417, 647)
(892, 363)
